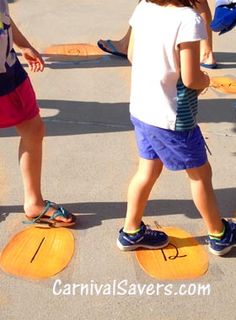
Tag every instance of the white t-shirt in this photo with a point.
(156, 86)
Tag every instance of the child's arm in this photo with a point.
(31, 55)
(131, 45)
(191, 74)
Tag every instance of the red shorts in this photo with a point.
(18, 106)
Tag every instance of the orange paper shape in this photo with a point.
(183, 258)
(74, 52)
(37, 252)
(224, 84)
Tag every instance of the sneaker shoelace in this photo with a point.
(232, 224)
(150, 232)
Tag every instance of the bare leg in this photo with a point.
(30, 159)
(204, 197)
(139, 190)
(207, 55)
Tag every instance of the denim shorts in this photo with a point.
(177, 150)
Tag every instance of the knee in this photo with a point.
(202, 173)
(33, 130)
(149, 174)
(38, 131)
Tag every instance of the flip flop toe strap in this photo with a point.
(60, 212)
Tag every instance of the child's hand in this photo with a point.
(33, 59)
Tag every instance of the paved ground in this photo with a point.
(89, 157)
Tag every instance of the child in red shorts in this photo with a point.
(18, 107)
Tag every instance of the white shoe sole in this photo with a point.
(222, 252)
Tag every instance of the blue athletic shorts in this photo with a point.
(177, 150)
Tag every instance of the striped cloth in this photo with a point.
(187, 107)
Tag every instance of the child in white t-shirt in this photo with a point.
(166, 80)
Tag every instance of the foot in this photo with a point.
(118, 47)
(208, 61)
(226, 243)
(145, 238)
(33, 211)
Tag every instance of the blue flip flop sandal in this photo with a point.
(51, 221)
(111, 49)
(209, 65)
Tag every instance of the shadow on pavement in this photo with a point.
(106, 61)
(217, 111)
(226, 57)
(92, 214)
(225, 60)
(77, 117)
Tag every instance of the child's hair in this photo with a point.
(177, 3)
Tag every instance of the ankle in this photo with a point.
(208, 57)
(124, 47)
(31, 207)
(130, 231)
(132, 228)
(218, 234)
(33, 200)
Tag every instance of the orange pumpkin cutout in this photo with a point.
(73, 52)
(38, 252)
(224, 84)
(183, 258)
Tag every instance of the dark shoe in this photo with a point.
(145, 238)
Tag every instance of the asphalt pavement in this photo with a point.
(89, 158)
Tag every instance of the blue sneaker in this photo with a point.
(224, 245)
(146, 238)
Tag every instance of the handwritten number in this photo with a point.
(164, 256)
(177, 255)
